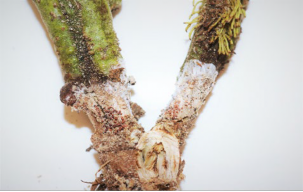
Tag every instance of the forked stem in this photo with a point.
(96, 83)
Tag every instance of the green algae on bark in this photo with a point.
(83, 35)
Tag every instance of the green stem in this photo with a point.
(83, 35)
(115, 4)
(62, 38)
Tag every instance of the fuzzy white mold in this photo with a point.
(108, 103)
(195, 75)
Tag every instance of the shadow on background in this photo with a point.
(79, 119)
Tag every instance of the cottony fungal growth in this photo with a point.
(96, 83)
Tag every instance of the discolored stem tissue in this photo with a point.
(216, 30)
(96, 83)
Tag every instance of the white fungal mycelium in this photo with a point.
(119, 91)
(159, 158)
(194, 83)
(107, 104)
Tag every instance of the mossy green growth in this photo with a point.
(225, 25)
(215, 30)
(230, 26)
(58, 30)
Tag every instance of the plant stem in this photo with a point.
(159, 158)
(217, 31)
(62, 38)
(97, 84)
(101, 86)
(83, 35)
(115, 4)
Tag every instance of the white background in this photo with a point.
(247, 137)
